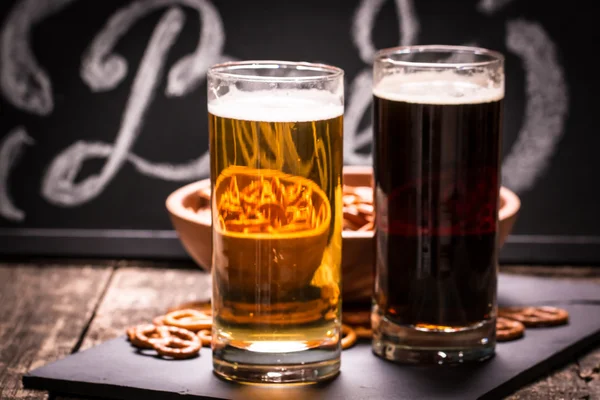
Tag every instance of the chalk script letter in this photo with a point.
(10, 150)
(547, 105)
(103, 70)
(23, 82)
(409, 23)
(359, 100)
(491, 6)
(362, 27)
(58, 185)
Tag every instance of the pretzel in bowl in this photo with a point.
(272, 207)
(359, 213)
(269, 205)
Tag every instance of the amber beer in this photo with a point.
(437, 161)
(276, 164)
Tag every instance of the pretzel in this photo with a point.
(203, 306)
(508, 329)
(179, 345)
(358, 317)
(268, 206)
(159, 321)
(363, 332)
(348, 337)
(146, 336)
(131, 333)
(359, 213)
(189, 319)
(536, 316)
(205, 336)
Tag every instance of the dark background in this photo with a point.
(559, 218)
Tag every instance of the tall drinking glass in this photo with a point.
(437, 131)
(276, 170)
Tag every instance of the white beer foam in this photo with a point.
(279, 105)
(440, 88)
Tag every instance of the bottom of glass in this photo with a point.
(411, 345)
(307, 373)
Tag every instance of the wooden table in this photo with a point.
(49, 309)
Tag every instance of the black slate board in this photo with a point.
(115, 370)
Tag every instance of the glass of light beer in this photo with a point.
(275, 133)
(437, 138)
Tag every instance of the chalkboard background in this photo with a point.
(103, 108)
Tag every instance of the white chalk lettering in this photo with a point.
(22, 81)
(360, 93)
(11, 148)
(58, 186)
(546, 109)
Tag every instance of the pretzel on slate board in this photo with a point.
(508, 329)
(534, 317)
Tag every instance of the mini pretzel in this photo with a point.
(363, 332)
(508, 329)
(359, 317)
(146, 336)
(536, 316)
(271, 207)
(348, 337)
(189, 319)
(205, 337)
(180, 345)
(203, 306)
(268, 206)
(131, 333)
(159, 321)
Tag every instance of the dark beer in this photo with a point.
(436, 174)
(437, 158)
(437, 129)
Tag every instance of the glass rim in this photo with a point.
(227, 70)
(384, 55)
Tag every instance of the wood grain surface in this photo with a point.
(43, 312)
(137, 295)
(49, 309)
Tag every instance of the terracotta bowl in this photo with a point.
(194, 231)
(299, 252)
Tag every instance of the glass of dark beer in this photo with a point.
(437, 137)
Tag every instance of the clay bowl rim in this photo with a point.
(174, 203)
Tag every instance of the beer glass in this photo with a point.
(275, 133)
(437, 137)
